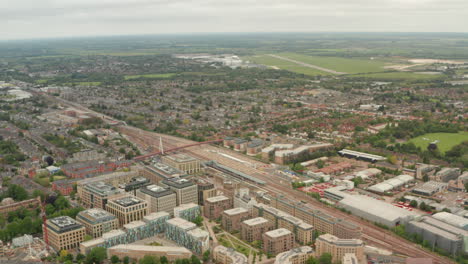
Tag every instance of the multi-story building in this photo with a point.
(215, 206)
(11, 206)
(127, 209)
(96, 194)
(64, 233)
(205, 190)
(159, 199)
(137, 252)
(97, 221)
(92, 168)
(232, 218)
(224, 255)
(186, 190)
(447, 174)
(252, 229)
(150, 225)
(243, 199)
(277, 241)
(64, 187)
(303, 231)
(183, 162)
(114, 179)
(338, 247)
(135, 184)
(188, 211)
(187, 234)
(349, 258)
(298, 255)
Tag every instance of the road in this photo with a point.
(306, 64)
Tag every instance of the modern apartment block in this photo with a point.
(187, 211)
(182, 162)
(188, 235)
(303, 232)
(232, 218)
(186, 190)
(96, 194)
(137, 252)
(159, 199)
(127, 209)
(252, 229)
(64, 233)
(150, 225)
(298, 255)
(277, 241)
(97, 221)
(215, 206)
(205, 191)
(226, 255)
(338, 247)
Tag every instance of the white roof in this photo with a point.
(278, 232)
(237, 210)
(452, 219)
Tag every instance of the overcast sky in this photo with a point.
(64, 18)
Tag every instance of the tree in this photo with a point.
(96, 256)
(164, 260)
(198, 220)
(414, 204)
(320, 164)
(325, 258)
(115, 259)
(466, 186)
(206, 255)
(87, 237)
(126, 260)
(148, 260)
(312, 260)
(194, 260)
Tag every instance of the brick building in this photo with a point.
(277, 241)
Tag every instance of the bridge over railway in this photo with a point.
(161, 152)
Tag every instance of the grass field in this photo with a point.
(446, 140)
(284, 65)
(149, 76)
(348, 65)
(388, 76)
(84, 83)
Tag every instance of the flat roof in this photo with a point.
(361, 154)
(180, 158)
(127, 201)
(101, 188)
(186, 206)
(154, 216)
(255, 221)
(178, 182)
(235, 211)
(285, 257)
(170, 250)
(340, 241)
(95, 215)
(156, 191)
(236, 257)
(181, 223)
(134, 224)
(216, 199)
(278, 232)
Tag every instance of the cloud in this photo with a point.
(58, 18)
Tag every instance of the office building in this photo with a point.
(205, 190)
(96, 194)
(295, 256)
(187, 234)
(127, 209)
(135, 184)
(252, 229)
(224, 255)
(338, 247)
(183, 162)
(232, 218)
(97, 221)
(277, 241)
(215, 206)
(159, 199)
(137, 252)
(188, 211)
(186, 190)
(64, 233)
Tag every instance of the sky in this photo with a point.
(28, 19)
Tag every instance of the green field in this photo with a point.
(388, 76)
(149, 76)
(347, 65)
(83, 83)
(446, 140)
(284, 65)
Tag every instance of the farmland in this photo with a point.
(446, 140)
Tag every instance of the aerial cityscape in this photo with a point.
(283, 147)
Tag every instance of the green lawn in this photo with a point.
(389, 76)
(348, 65)
(446, 140)
(284, 65)
(149, 76)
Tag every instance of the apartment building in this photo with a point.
(187, 234)
(215, 206)
(64, 233)
(137, 252)
(97, 221)
(127, 209)
(96, 194)
(188, 211)
(338, 247)
(277, 241)
(224, 255)
(232, 218)
(298, 255)
(252, 229)
(205, 190)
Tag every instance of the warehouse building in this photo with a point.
(447, 174)
(159, 199)
(137, 252)
(97, 221)
(391, 184)
(430, 188)
(360, 155)
(368, 173)
(452, 219)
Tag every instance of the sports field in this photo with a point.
(446, 140)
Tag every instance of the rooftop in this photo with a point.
(127, 201)
(149, 249)
(63, 224)
(181, 223)
(339, 241)
(101, 188)
(235, 211)
(180, 158)
(216, 199)
(278, 232)
(156, 191)
(95, 215)
(236, 257)
(255, 221)
(154, 216)
(286, 257)
(178, 183)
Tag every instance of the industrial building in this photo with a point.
(187, 234)
(452, 219)
(224, 255)
(188, 211)
(430, 188)
(159, 199)
(447, 174)
(215, 206)
(391, 184)
(360, 155)
(186, 190)
(338, 247)
(440, 234)
(277, 241)
(64, 233)
(97, 221)
(368, 173)
(96, 194)
(295, 256)
(127, 209)
(149, 226)
(137, 252)
(183, 162)
(232, 218)
(252, 229)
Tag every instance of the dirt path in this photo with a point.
(306, 64)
